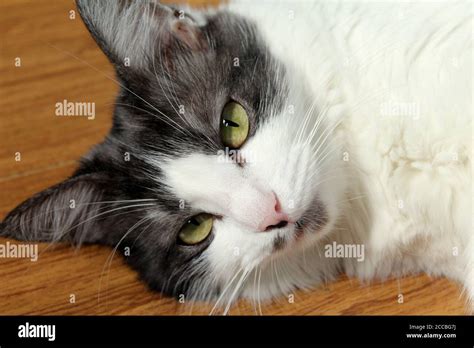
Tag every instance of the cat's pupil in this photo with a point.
(229, 123)
(193, 221)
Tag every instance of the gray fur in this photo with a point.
(170, 69)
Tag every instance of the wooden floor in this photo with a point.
(60, 61)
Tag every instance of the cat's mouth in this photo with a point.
(299, 229)
(296, 233)
(314, 218)
(299, 224)
(310, 223)
(302, 229)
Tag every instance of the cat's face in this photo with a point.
(217, 148)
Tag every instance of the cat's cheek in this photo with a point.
(234, 247)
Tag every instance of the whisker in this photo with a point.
(225, 290)
(111, 256)
(236, 289)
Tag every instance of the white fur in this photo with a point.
(392, 85)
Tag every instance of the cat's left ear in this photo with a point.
(133, 33)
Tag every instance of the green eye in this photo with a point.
(196, 229)
(234, 126)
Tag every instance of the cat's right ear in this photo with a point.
(74, 210)
(133, 33)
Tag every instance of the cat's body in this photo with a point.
(360, 135)
(403, 74)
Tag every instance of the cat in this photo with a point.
(261, 147)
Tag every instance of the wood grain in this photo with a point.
(60, 61)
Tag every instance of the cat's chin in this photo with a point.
(288, 268)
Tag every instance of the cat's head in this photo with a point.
(218, 160)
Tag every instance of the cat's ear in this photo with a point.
(133, 33)
(69, 211)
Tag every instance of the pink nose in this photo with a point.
(273, 216)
